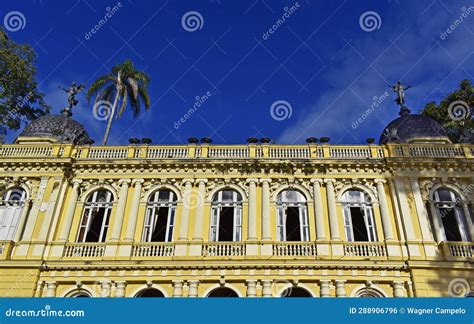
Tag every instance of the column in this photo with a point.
(325, 288)
(252, 224)
(22, 222)
(437, 223)
(183, 229)
(177, 288)
(384, 211)
(71, 207)
(35, 210)
(193, 288)
(467, 216)
(318, 210)
(120, 289)
(50, 289)
(132, 220)
(421, 211)
(199, 222)
(405, 209)
(331, 196)
(120, 212)
(251, 288)
(398, 289)
(340, 288)
(267, 288)
(266, 230)
(105, 287)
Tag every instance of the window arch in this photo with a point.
(96, 216)
(296, 292)
(222, 292)
(160, 217)
(368, 293)
(292, 219)
(449, 206)
(150, 292)
(226, 216)
(359, 220)
(11, 207)
(80, 294)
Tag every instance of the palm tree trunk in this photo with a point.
(112, 114)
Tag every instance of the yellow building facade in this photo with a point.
(256, 220)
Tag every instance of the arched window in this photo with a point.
(292, 220)
(295, 292)
(453, 219)
(96, 217)
(160, 217)
(358, 217)
(80, 294)
(11, 206)
(222, 292)
(150, 292)
(226, 216)
(368, 293)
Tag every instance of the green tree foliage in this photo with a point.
(458, 130)
(20, 99)
(123, 86)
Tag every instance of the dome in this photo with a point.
(61, 128)
(413, 128)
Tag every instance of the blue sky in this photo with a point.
(324, 62)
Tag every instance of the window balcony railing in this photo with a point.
(154, 249)
(294, 249)
(84, 250)
(260, 151)
(226, 249)
(458, 251)
(365, 249)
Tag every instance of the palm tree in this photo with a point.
(124, 84)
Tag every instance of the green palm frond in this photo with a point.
(98, 85)
(145, 98)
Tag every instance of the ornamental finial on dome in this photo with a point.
(72, 92)
(399, 89)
